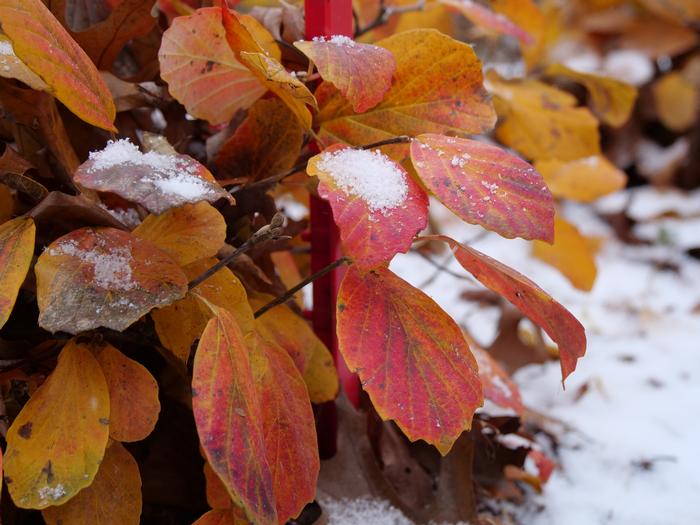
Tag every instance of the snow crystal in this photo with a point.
(460, 160)
(340, 40)
(182, 185)
(6, 48)
(112, 271)
(628, 65)
(52, 493)
(365, 510)
(128, 217)
(370, 175)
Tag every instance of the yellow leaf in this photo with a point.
(16, 250)
(311, 357)
(571, 254)
(181, 323)
(527, 15)
(437, 88)
(133, 395)
(583, 180)
(42, 43)
(541, 121)
(56, 443)
(677, 101)
(288, 272)
(612, 100)
(13, 67)
(188, 233)
(113, 498)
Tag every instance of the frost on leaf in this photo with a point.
(412, 358)
(376, 205)
(154, 180)
(485, 185)
(103, 277)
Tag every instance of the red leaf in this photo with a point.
(411, 356)
(485, 185)
(361, 72)
(377, 206)
(532, 301)
(254, 421)
(498, 386)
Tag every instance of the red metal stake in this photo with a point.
(327, 18)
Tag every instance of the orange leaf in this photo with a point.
(612, 100)
(13, 67)
(485, 18)
(571, 254)
(157, 181)
(16, 251)
(254, 421)
(541, 121)
(181, 323)
(133, 395)
(217, 495)
(103, 277)
(411, 357)
(498, 386)
(187, 234)
(532, 301)
(268, 142)
(223, 517)
(42, 43)
(201, 70)
(437, 88)
(677, 101)
(684, 11)
(486, 185)
(361, 72)
(378, 208)
(583, 180)
(526, 14)
(283, 327)
(113, 497)
(56, 443)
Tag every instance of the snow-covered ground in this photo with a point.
(630, 454)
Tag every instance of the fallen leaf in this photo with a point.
(47, 49)
(570, 253)
(677, 101)
(13, 67)
(377, 206)
(486, 185)
(485, 18)
(583, 180)
(103, 277)
(311, 357)
(254, 421)
(133, 395)
(361, 72)
(81, 14)
(16, 251)
(266, 143)
(156, 181)
(530, 299)
(437, 88)
(612, 100)
(202, 71)
(498, 386)
(187, 234)
(56, 443)
(541, 121)
(411, 357)
(113, 497)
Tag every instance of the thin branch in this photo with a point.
(385, 13)
(311, 278)
(269, 181)
(268, 232)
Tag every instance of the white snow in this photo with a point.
(628, 65)
(340, 40)
(6, 48)
(366, 511)
(370, 175)
(112, 270)
(628, 448)
(52, 493)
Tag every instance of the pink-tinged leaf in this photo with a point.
(44, 45)
(498, 386)
(361, 72)
(544, 465)
(412, 358)
(485, 185)
(483, 17)
(532, 301)
(254, 420)
(202, 71)
(378, 208)
(156, 181)
(95, 277)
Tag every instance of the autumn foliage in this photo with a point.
(148, 371)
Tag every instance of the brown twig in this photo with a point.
(385, 13)
(289, 294)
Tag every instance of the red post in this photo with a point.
(327, 18)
